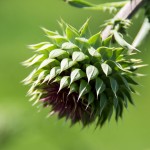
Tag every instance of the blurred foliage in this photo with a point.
(21, 126)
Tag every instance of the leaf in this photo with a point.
(79, 3)
(73, 88)
(26, 62)
(99, 86)
(125, 82)
(123, 43)
(48, 47)
(64, 82)
(71, 33)
(76, 74)
(91, 98)
(79, 56)
(116, 53)
(84, 88)
(37, 46)
(70, 47)
(49, 63)
(41, 76)
(91, 72)
(84, 30)
(135, 67)
(95, 40)
(58, 39)
(107, 41)
(82, 41)
(54, 72)
(115, 101)
(106, 53)
(32, 61)
(29, 78)
(67, 63)
(114, 85)
(110, 113)
(103, 103)
(106, 69)
(58, 53)
(93, 52)
(49, 33)
(130, 80)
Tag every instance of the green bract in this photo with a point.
(82, 77)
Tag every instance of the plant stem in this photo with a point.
(145, 29)
(125, 12)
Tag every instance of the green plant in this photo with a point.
(86, 77)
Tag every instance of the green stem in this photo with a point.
(126, 12)
(145, 29)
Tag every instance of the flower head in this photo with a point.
(80, 77)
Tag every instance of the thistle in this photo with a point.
(81, 77)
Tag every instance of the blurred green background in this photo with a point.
(21, 125)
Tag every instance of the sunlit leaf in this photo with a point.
(91, 72)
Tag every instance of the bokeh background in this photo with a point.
(22, 126)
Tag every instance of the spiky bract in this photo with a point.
(80, 76)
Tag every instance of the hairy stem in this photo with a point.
(126, 12)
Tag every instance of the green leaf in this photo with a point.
(29, 78)
(33, 60)
(125, 82)
(107, 41)
(47, 47)
(110, 113)
(64, 82)
(95, 40)
(114, 85)
(73, 88)
(49, 63)
(100, 86)
(106, 53)
(106, 69)
(123, 43)
(84, 30)
(67, 63)
(76, 74)
(70, 47)
(79, 56)
(54, 72)
(82, 41)
(26, 62)
(71, 33)
(84, 88)
(37, 46)
(135, 67)
(116, 53)
(41, 76)
(103, 102)
(115, 101)
(91, 72)
(58, 39)
(128, 95)
(58, 53)
(125, 100)
(91, 98)
(79, 3)
(49, 33)
(93, 52)
(130, 80)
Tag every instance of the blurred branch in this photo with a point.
(125, 13)
(87, 5)
(145, 29)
